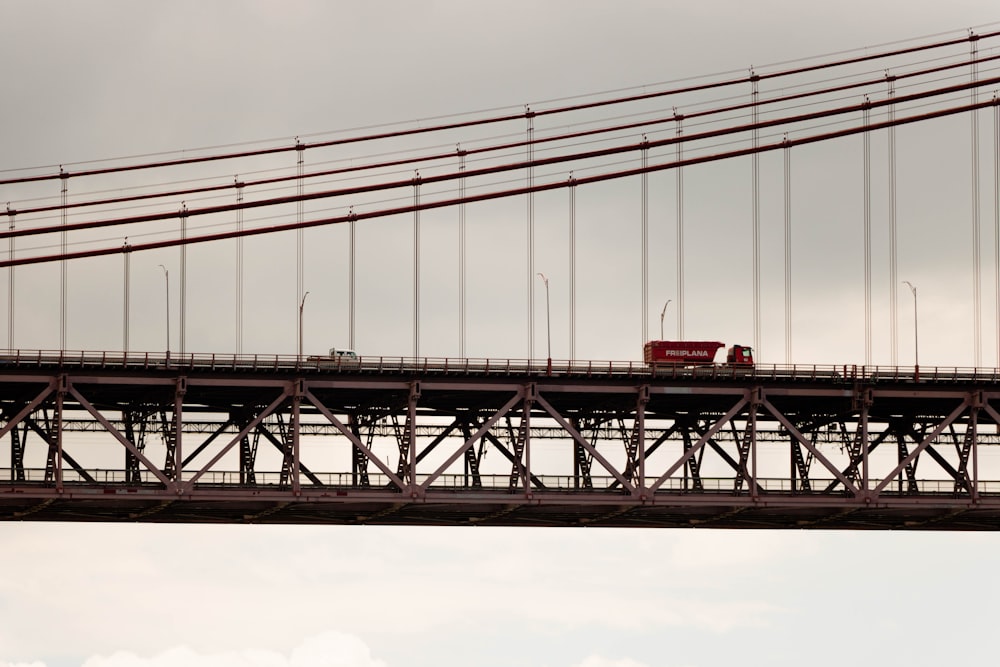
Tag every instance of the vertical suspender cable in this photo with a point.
(679, 118)
(572, 267)
(977, 327)
(416, 265)
(645, 242)
(461, 253)
(352, 249)
(530, 148)
(64, 178)
(10, 281)
(755, 161)
(866, 112)
(239, 268)
(788, 251)
(300, 151)
(184, 218)
(893, 246)
(126, 256)
(996, 211)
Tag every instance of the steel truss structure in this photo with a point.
(419, 444)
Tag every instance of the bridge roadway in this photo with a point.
(100, 436)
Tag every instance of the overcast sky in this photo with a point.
(90, 81)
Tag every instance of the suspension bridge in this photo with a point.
(497, 438)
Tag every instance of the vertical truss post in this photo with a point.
(747, 446)
(411, 438)
(635, 442)
(858, 449)
(137, 436)
(581, 460)
(359, 462)
(692, 467)
(172, 439)
(642, 399)
(755, 400)
(529, 398)
(17, 452)
(910, 468)
(58, 418)
(968, 448)
(519, 472)
(248, 451)
(800, 464)
(295, 434)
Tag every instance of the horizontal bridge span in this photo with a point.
(85, 439)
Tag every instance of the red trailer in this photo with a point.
(690, 352)
(680, 351)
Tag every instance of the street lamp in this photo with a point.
(662, 313)
(916, 349)
(548, 320)
(302, 307)
(166, 275)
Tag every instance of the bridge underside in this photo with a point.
(422, 446)
(126, 505)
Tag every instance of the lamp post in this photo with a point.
(548, 323)
(166, 275)
(302, 307)
(916, 348)
(662, 313)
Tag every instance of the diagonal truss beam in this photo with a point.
(109, 427)
(808, 445)
(696, 447)
(887, 480)
(285, 393)
(487, 425)
(584, 443)
(29, 408)
(309, 396)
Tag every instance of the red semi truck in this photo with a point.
(692, 352)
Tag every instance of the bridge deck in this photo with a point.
(206, 438)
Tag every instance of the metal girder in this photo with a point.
(694, 449)
(390, 449)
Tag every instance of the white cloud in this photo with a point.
(601, 661)
(330, 649)
(700, 550)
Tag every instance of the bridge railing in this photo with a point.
(110, 479)
(379, 365)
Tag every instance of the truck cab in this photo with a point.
(337, 353)
(739, 355)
